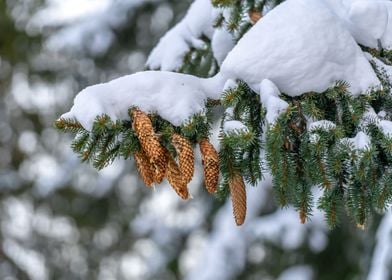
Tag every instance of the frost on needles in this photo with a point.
(305, 92)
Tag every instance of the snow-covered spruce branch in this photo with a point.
(310, 83)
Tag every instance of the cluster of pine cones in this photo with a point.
(154, 163)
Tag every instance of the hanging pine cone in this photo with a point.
(150, 143)
(176, 179)
(158, 159)
(144, 167)
(210, 161)
(302, 216)
(238, 197)
(186, 156)
(142, 125)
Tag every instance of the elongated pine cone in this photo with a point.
(210, 161)
(238, 197)
(144, 167)
(142, 125)
(302, 216)
(150, 143)
(186, 156)
(176, 180)
(159, 162)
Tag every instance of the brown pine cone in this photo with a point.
(186, 156)
(150, 143)
(210, 161)
(146, 170)
(302, 216)
(160, 165)
(176, 180)
(142, 125)
(238, 197)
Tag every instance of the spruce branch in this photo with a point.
(68, 125)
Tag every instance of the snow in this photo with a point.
(229, 113)
(302, 272)
(222, 43)
(323, 124)
(382, 256)
(30, 261)
(361, 141)
(228, 239)
(180, 39)
(356, 16)
(224, 253)
(379, 14)
(314, 138)
(361, 14)
(234, 126)
(386, 39)
(268, 88)
(269, 98)
(175, 97)
(301, 57)
(274, 56)
(87, 26)
(60, 12)
(386, 128)
(316, 125)
(368, 116)
(381, 65)
(229, 85)
(169, 53)
(382, 114)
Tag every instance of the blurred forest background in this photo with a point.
(61, 219)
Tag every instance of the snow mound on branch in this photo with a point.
(222, 43)
(361, 141)
(234, 127)
(269, 97)
(301, 46)
(323, 125)
(175, 97)
(171, 49)
(169, 53)
(386, 128)
(372, 22)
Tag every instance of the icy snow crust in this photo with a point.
(301, 46)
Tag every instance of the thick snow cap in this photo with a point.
(175, 97)
(372, 21)
(301, 46)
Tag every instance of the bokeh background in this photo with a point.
(61, 219)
